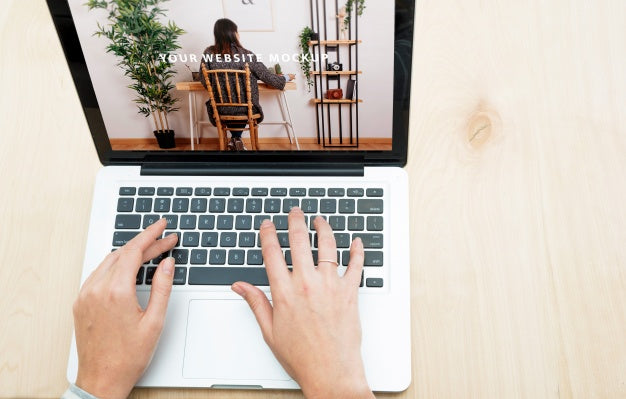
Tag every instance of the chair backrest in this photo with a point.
(225, 95)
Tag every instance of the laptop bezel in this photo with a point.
(403, 61)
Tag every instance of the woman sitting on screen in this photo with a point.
(227, 43)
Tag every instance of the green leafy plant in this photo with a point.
(305, 58)
(142, 43)
(360, 7)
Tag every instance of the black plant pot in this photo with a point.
(165, 138)
(315, 36)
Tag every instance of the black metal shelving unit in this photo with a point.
(330, 113)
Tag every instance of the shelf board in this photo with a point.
(336, 72)
(342, 101)
(332, 42)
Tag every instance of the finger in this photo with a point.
(260, 306)
(132, 254)
(273, 258)
(147, 237)
(160, 294)
(355, 266)
(102, 268)
(326, 246)
(160, 246)
(299, 242)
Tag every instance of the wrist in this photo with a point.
(343, 387)
(102, 389)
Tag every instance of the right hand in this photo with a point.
(313, 327)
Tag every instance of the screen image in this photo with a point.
(241, 75)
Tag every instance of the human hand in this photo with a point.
(313, 326)
(115, 338)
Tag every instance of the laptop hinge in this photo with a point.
(252, 169)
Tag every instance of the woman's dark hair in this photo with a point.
(225, 32)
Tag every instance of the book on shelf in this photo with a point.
(351, 90)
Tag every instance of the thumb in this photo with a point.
(160, 292)
(260, 306)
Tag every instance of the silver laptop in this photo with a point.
(332, 141)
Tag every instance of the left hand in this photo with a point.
(115, 338)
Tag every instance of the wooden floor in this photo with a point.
(280, 144)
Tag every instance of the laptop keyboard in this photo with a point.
(218, 228)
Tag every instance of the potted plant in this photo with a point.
(305, 57)
(360, 7)
(142, 44)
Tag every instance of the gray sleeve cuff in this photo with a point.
(74, 392)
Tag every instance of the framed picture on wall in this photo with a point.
(250, 15)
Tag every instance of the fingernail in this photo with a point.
(266, 222)
(358, 241)
(168, 266)
(238, 289)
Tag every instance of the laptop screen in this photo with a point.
(243, 75)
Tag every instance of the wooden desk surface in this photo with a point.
(518, 223)
(197, 86)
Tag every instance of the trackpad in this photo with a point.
(224, 341)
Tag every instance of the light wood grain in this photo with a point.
(518, 223)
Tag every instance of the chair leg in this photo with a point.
(220, 138)
(255, 132)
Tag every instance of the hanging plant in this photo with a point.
(360, 7)
(306, 58)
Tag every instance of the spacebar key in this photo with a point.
(227, 275)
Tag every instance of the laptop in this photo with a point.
(333, 141)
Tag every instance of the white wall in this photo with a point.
(197, 19)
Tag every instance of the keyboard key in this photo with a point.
(370, 240)
(209, 239)
(184, 191)
(143, 205)
(254, 205)
(336, 192)
(254, 257)
(236, 256)
(241, 191)
(297, 192)
(150, 274)
(180, 275)
(150, 219)
(235, 205)
(227, 275)
(217, 205)
(312, 223)
(283, 239)
(258, 219)
(162, 205)
(216, 257)
(278, 192)
(247, 239)
(374, 192)
(341, 239)
(243, 222)
(317, 192)
(281, 222)
(180, 205)
(346, 206)
(178, 233)
(375, 223)
(309, 205)
(202, 191)
(206, 222)
(288, 259)
(146, 191)
(356, 223)
(159, 258)
(166, 191)
(259, 192)
(127, 222)
(374, 282)
(355, 192)
(337, 223)
(225, 222)
(370, 206)
(328, 205)
(128, 190)
(372, 258)
(228, 239)
(289, 203)
(191, 239)
(272, 205)
(221, 191)
(139, 278)
(180, 256)
(172, 221)
(198, 257)
(198, 205)
(120, 238)
(125, 204)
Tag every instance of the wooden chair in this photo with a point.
(231, 98)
